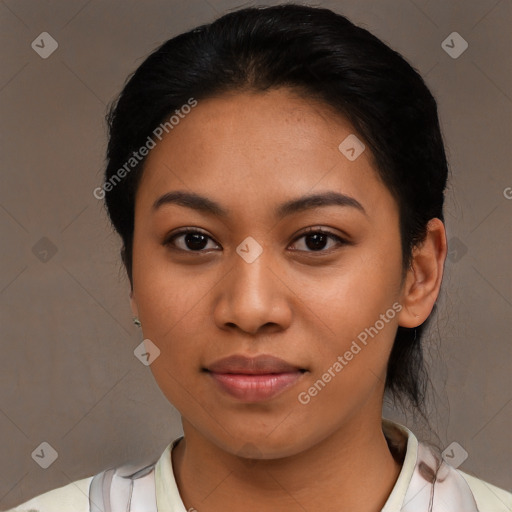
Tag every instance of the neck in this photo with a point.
(353, 469)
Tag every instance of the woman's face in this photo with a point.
(256, 283)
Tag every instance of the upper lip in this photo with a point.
(259, 365)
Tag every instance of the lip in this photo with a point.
(255, 388)
(254, 379)
(259, 365)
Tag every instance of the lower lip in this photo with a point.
(255, 388)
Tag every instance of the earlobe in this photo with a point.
(424, 277)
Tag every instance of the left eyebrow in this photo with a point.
(307, 202)
(311, 201)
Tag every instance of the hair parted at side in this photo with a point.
(322, 56)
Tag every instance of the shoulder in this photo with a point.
(488, 497)
(116, 487)
(73, 497)
(428, 482)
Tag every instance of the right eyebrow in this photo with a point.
(191, 200)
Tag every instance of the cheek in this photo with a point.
(350, 361)
(356, 317)
(166, 294)
(355, 293)
(174, 319)
(174, 304)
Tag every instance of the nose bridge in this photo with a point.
(252, 296)
(252, 268)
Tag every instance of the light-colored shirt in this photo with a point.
(419, 487)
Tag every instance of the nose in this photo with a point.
(254, 297)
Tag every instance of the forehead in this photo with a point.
(258, 147)
(270, 124)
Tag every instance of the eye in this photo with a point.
(193, 241)
(317, 239)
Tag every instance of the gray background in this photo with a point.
(69, 376)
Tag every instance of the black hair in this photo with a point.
(323, 56)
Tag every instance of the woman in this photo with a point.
(277, 178)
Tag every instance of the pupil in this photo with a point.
(319, 241)
(193, 241)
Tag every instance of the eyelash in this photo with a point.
(341, 241)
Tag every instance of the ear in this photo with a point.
(423, 279)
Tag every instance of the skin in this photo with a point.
(250, 152)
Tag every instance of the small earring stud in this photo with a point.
(136, 321)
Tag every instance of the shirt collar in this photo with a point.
(168, 498)
(405, 442)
